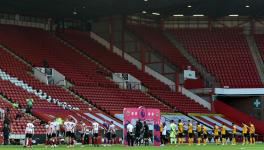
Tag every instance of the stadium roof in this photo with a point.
(89, 9)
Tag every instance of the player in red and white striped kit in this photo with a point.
(85, 133)
(95, 132)
(53, 125)
(70, 131)
(112, 130)
(48, 134)
(29, 131)
(51, 133)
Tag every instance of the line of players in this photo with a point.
(69, 128)
(248, 133)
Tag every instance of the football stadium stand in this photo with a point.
(117, 64)
(156, 40)
(224, 52)
(25, 48)
(70, 64)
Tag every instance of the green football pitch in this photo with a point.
(167, 147)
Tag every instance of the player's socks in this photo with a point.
(72, 142)
(254, 140)
(25, 142)
(233, 141)
(204, 141)
(199, 141)
(30, 142)
(223, 141)
(95, 141)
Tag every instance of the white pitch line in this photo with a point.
(243, 148)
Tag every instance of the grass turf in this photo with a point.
(121, 147)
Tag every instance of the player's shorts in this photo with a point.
(146, 135)
(205, 136)
(252, 135)
(223, 135)
(68, 134)
(72, 135)
(49, 136)
(113, 135)
(53, 135)
(233, 135)
(108, 135)
(199, 134)
(86, 135)
(28, 135)
(95, 135)
(216, 137)
(180, 135)
(137, 134)
(245, 135)
(190, 135)
(58, 133)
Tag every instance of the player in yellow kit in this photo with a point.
(216, 134)
(180, 132)
(204, 134)
(245, 133)
(223, 134)
(190, 132)
(199, 133)
(234, 131)
(252, 133)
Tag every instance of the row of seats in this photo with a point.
(155, 38)
(118, 64)
(109, 59)
(22, 72)
(18, 69)
(114, 100)
(18, 124)
(39, 104)
(19, 95)
(181, 102)
(35, 45)
(224, 52)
